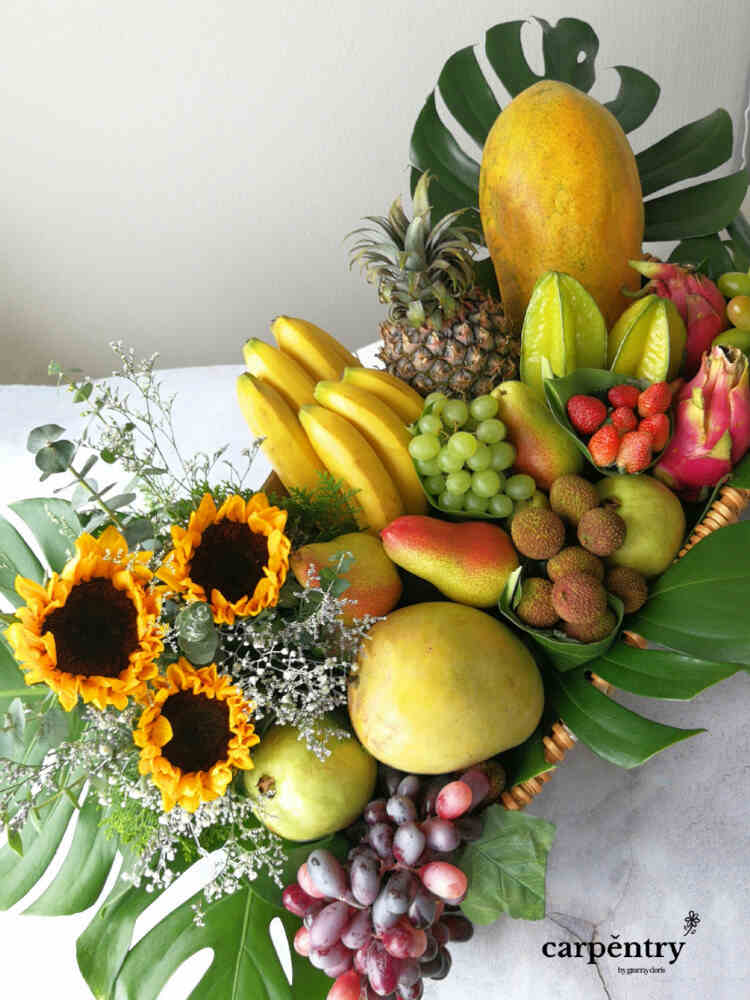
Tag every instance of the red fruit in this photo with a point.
(586, 413)
(307, 884)
(604, 445)
(346, 987)
(635, 452)
(624, 395)
(453, 800)
(444, 880)
(624, 419)
(658, 427)
(656, 399)
(296, 900)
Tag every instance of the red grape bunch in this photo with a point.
(379, 924)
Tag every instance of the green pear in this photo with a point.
(654, 519)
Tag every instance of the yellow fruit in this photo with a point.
(559, 191)
(285, 444)
(350, 459)
(320, 354)
(648, 340)
(441, 686)
(402, 399)
(563, 330)
(283, 373)
(384, 430)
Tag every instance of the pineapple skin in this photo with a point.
(469, 355)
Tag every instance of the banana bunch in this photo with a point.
(318, 409)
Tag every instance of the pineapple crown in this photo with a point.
(420, 271)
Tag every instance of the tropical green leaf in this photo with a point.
(612, 732)
(707, 253)
(694, 606)
(695, 211)
(740, 477)
(18, 875)
(16, 559)
(563, 45)
(562, 652)
(506, 867)
(467, 94)
(245, 963)
(636, 98)
(527, 760)
(55, 526)
(12, 684)
(692, 150)
(739, 230)
(659, 673)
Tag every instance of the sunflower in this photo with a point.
(236, 557)
(92, 629)
(195, 731)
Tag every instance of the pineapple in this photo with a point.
(443, 332)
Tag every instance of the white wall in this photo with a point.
(176, 172)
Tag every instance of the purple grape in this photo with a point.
(408, 844)
(363, 849)
(400, 809)
(457, 926)
(364, 876)
(382, 970)
(375, 812)
(327, 874)
(439, 967)
(479, 784)
(399, 891)
(383, 916)
(380, 837)
(336, 960)
(312, 913)
(359, 931)
(391, 777)
(413, 992)
(441, 835)
(409, 786)
(431, 793)
(316, 958)
(329, 925)
(469, 827)
(410, 973)
(295, 899)
(423, 908)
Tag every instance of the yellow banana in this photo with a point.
(350, 459)
(385, 431)
(405, 401)
(285, 446)
(320, 354)
(283, 373)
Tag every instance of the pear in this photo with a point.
(654, 519)
(468, 562)
(543, 449)
(440, 686)
(374, 584)
(301, 797)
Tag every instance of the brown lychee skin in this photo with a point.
(601, 531)
(630, 586)
(574, 559)
(535, 607)
(537, 533)
(592, 633)
(571, 496)
(579, 598)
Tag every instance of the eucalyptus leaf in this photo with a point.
(693, 607)
(40, 437)
(659, 673)
(507, 866)
(55, 457)
(562, 652)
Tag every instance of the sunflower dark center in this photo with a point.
(200, 728)
(230, 558)
(95, 631)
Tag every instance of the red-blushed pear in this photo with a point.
(374, 584)
(469, 562)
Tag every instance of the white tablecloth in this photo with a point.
(635, 851)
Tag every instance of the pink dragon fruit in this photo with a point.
(698, 301)
(711, 424)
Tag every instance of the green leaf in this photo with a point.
(12, 684)
(659, 673)
(82, 875)
(612, 732)
(16, 559)
(121, 500)
(562, 44)
(434, 148)
(39, 437)
(707, 253)
(296, 855)
(695, 211)
(507, 867)
(56, 457)
(740, 478)
(14, 841)
(137, 530)
(562, 652)
(692, 150)
(244, 963)
(55, 526)
(17, 876)
(636, 98)
(527, 760)
(693, 607)
(467, 94)
(739, 230)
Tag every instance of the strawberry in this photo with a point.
(604, 445)
(624, 395)
(586, 413)
(656, 399)
(624, 419)
(635, 452)
(658, 427)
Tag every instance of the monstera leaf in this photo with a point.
(569, 49)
